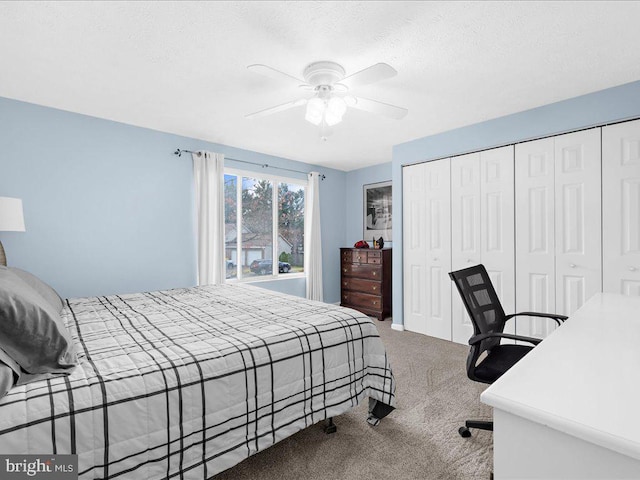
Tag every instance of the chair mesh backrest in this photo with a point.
(481, 301)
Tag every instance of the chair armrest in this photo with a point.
(483, 336)
(557, 317)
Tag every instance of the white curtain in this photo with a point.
(208, 174)
(313, 239)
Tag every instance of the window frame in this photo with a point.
(275, 180)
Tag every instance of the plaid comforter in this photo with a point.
(188, 382)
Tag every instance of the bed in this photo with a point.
(189, 382)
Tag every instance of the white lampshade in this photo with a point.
(336, 107)
(315, 110)
(11, 217)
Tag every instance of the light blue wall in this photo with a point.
(606, 106)
(109, 209)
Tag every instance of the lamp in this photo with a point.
(11, 220)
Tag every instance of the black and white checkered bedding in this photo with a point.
(186, 383)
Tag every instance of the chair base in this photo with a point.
(479, 424)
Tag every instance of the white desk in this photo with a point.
(571, 407)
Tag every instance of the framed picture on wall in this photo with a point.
(377, 211)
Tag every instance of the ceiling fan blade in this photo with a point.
(380, 108)
(372, 74)
(278, 108)
(276, 74)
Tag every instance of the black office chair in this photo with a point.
(488, 318)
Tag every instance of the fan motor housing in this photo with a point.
(323, 73)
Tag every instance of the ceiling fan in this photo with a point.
(328, 92)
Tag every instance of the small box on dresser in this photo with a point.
(365, 281)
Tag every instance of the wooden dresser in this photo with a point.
(365, 280)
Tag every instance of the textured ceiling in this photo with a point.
(180, 67)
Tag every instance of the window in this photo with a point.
(264, 220)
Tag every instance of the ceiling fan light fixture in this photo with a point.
(331, 119)
(337, 106)
(315, 111)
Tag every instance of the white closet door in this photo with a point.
(497, 224)
(465, 234)
(577, 219)
(535, 237)
(438, 291)
(621, 208)
(427, 248)
(415, 243)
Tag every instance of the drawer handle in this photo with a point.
(344, 283)
(572, 265)
(375, 288)
(374, 273)
(344, 270)
(374, 303)
(632, 269)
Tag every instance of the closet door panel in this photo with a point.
(415, 245)
(535, 237)
(427, 248)
(438, 261)
(465, 233)
(497, 222)
(621, 208)
(577, 219)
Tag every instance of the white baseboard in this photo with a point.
(397, 326)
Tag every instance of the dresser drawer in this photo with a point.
(371, 302)
(365, 286)
(374, 257)
(366, 271)
(359, 256)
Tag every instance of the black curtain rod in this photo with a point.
(179, 153)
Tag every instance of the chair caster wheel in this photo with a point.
(464, 432)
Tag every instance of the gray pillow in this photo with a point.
(7, 379)
(43, 289)
(31, 330)
(9, 373)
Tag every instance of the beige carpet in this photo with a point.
(417, 441)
